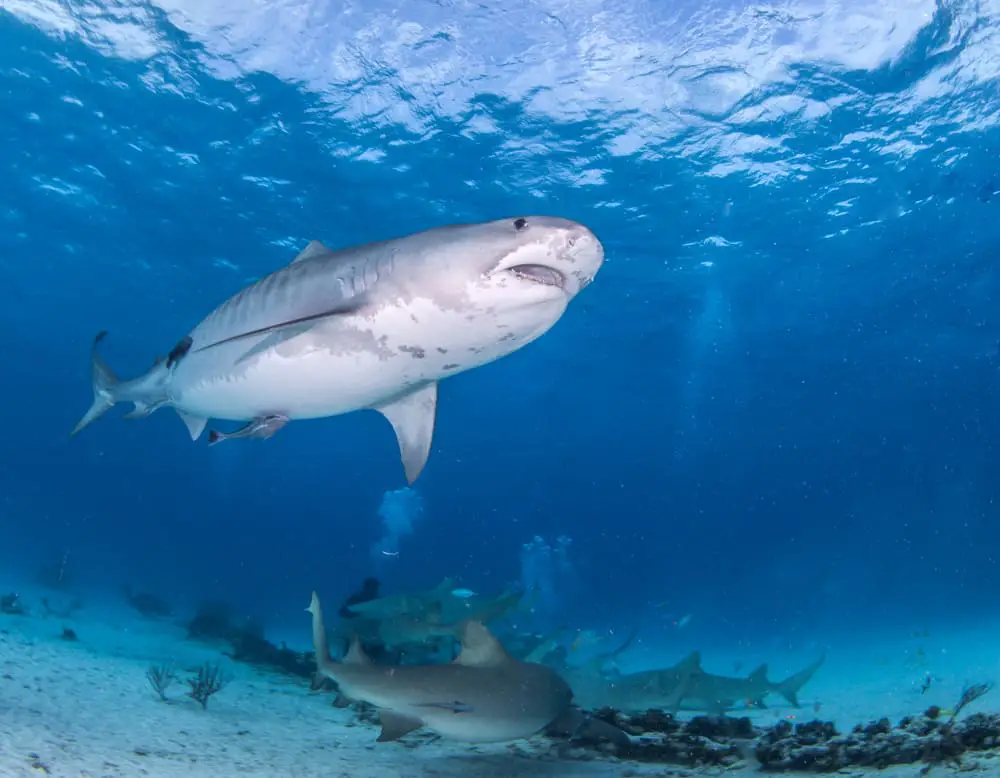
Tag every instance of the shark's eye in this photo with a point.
(520, 224)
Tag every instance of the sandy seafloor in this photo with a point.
(86, 709)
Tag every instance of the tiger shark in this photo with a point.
(375, 326)
(483, 696)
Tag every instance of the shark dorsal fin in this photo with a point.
(691, 663)
(443, 588)
(314, 249)
(355, 653)
(480, 648)
(759, 675)
(495, 609)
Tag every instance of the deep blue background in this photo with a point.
(802, 431)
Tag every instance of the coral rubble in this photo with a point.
(814, 746)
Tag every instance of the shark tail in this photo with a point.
(104, 383)
(790, 687)
(324, 662)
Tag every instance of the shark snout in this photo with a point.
(584, 255)
(558, 253)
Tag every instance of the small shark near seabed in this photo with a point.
(375, 326)
(686, 686)
(483, 696)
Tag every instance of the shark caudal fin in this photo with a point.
(104, 382)
(325, 665)
(790, 687)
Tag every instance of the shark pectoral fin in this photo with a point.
(340, 701)
(194, 424)
(412, 418)
(395, 725)
(314, 249)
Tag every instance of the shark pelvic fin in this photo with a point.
(395, 725)
(314, 249)
(195, 424)
(480, 648)
(412, 417)
(143, 409)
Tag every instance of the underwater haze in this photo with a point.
(771, 418)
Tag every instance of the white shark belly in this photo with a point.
(349, 363)
(305, 386)
(478, 728)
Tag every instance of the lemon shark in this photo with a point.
(685, 686)
(483, 696)
(375, 326)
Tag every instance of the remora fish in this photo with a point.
(686, 686)
(375, 326)
(483, 696)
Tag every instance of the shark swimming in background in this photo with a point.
(685, 686)
(375, 326)
(483, 696)
(410, 605)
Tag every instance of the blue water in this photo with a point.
(775, 409)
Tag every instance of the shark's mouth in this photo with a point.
(540, 274)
